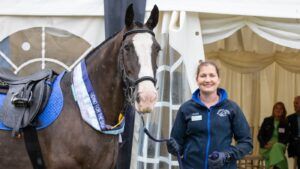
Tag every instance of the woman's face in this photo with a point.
(278, 111)
(208, 79)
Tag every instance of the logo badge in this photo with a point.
(281, 130)
(223, 112)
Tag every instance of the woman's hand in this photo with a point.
(173, 146)
(269, 145)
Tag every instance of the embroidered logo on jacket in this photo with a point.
(223, 112)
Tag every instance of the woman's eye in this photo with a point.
(210, 75)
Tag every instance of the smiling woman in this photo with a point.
(208, 80)
(204, 126)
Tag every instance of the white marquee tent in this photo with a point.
(256, 43)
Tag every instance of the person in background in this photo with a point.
(294, 136)
(273, 138)
(205, 125)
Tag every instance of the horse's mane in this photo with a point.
(101, 44)
(139, 24)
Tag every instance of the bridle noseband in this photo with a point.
(130, 84)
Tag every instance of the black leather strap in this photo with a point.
(33, 147)
(138, 31)
(145, 78)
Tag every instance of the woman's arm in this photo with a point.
(242, 135)
(261, 133)
(178, 130)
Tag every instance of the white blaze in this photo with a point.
(143, 46)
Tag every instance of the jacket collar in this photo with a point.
(221, 92)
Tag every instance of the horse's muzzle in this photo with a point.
(146, 97)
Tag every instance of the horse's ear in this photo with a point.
(153, 19)
(129, 16)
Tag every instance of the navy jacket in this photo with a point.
(266, 131)
(199, 131)
(294, 140)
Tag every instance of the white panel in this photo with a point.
(52, 7)
(90, 29)
(268, 8)
(187, 40)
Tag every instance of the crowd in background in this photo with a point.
(278, 133)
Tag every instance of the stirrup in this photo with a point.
(21, 101)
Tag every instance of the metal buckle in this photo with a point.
(21, 101)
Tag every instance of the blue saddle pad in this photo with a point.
(51, 111)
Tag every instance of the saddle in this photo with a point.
(25, 97)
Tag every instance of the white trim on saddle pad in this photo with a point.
(90, 109)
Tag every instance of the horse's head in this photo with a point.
(138, 57)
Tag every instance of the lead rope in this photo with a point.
(160, 141)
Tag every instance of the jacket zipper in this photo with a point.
(208, 139)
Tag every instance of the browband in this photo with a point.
(138, 31)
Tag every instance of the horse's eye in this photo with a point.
(158, 48)
(127, 47)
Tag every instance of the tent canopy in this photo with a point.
(17, 15)
(268, 8)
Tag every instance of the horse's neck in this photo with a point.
(106, 80)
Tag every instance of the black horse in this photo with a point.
(121, 70)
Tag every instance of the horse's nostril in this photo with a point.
(138, 98)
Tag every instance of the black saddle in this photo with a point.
(25, 98)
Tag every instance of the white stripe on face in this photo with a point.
(143, 45)
(146, 90)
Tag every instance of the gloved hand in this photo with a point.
(173, 146)
(217, 160)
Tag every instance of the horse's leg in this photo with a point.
(58, 140)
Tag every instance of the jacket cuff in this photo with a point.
(228, 157)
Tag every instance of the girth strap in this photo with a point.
(33, 147)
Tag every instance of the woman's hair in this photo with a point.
(282, 118)
(206, 63)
